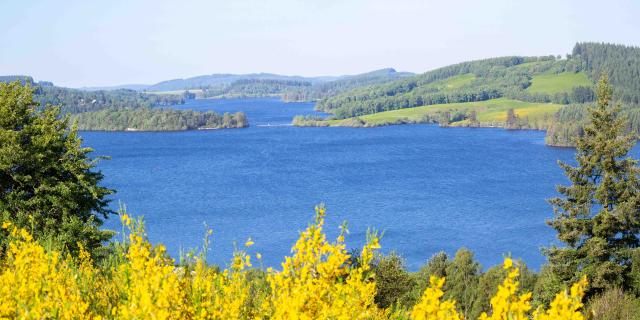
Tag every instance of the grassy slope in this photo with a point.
(489, 112)
(454, 82)
(551, 83)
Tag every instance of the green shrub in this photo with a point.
(614, 304)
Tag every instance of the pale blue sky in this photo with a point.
(94, 43)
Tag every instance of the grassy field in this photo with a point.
(489, 113)
(551, 83)
(454, 82)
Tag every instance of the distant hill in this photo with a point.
(218, 79)
(327, 89)
(290, 88)
(136, 87)
(253, 88)
(23, 79)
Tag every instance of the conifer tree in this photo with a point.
(598, 215)
(47, 181)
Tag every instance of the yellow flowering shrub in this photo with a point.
(431, 306)
(318, 281)
(506, 304)
(35, 284)
(566, 305)
(149, 284)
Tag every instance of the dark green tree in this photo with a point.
(436, 266)
(47, 181)
(392, 280)
(462, 281)
(598, 215)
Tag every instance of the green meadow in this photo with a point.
(552, 83)
(454, 82)
(489, 113)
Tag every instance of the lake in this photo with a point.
(428, 188)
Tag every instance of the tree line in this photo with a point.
(323, 90)
(157, 119)
(125, 109)
(243, 88)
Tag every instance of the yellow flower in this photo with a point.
(315, 282)
(566, 305)
(126, 220)
(431, 307)
(506, 304)
(508, 263)
(249, 243)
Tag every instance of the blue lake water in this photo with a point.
(428, 188)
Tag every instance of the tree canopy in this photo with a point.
(598, 214)
(48, 183)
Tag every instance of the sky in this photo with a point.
(77, 43)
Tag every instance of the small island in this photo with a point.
(157, 119)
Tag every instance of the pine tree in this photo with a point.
(47, 182)
(598, 216)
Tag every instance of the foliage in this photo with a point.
(36, 284)
(323, 90)
(614, 304)
(489, 113)
(620, 63)
(47, 182)
(465, 82)
(253, 88)
(438, 95)
(506, 304)
(431, 306)
(598, 216)
(157, 119)
(122, 109)
(566, 305)
(216, 80)
(552, 83)
(141, 281)
(462, 285)
(435, 266)
(317, 283)
(392, 280)
(77, 101)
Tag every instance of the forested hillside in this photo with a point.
(622, 65)
(246, 88)
(328, 89)
(560, 87)
(465, 82)
(220, 79)
(289, 88)
(124, 109)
